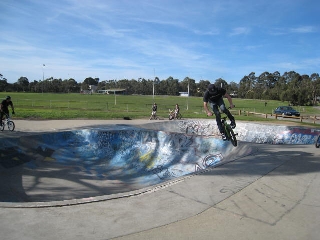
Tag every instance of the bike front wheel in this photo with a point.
(232, 135)
(11, 125)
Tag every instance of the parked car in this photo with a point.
(286, 111)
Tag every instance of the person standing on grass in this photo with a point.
(176, 111)
(4, 108)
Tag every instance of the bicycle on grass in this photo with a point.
(7, 122)
(154, 116)
(172, 115)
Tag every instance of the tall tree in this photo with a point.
(3, 83)
(23, 82)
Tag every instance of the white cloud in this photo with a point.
(240, 31)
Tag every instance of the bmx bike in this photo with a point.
(7, 122)
(154, 116)
(228, 131)
(172, 115)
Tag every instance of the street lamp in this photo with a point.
(154, 75)
(43, 65)
(153, 89)
(188, 94)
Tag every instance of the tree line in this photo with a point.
(291, 86)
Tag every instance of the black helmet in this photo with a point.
(8, 98)
(211, 87)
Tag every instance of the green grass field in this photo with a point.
(99, 106)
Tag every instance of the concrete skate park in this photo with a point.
(141, 179)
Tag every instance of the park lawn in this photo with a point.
(102, 106)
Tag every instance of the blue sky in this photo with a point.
(117, 39)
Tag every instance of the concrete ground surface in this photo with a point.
(272, 193)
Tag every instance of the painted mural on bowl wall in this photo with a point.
(139, 155)
(247, 132)
(122, 158)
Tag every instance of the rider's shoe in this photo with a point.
(223, 136)
(233, 124)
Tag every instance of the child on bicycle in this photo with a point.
(214, 96)
(154, 111)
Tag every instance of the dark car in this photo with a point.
(286, 111)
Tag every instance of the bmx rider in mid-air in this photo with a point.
(214, 96)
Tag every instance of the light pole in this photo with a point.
(154, 78)
(43, 65)
(153, 89)
(115, 96)
(188, 94)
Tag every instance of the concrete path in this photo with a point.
(270, 194)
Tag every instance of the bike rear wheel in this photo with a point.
(11, 125)
(2, 126)
(232, 135)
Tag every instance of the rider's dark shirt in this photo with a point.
(154, 108)
(5, 105)
(215, 95)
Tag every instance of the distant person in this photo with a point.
(154, 111)
(4, 107)
(214, 96)
(176, 110)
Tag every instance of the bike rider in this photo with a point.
(214, 96)
(4, 108)
(154, 110)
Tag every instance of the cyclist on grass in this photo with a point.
(214, 96)
(4, 108)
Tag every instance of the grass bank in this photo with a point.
(102, 106)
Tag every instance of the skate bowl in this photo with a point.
(115, 161)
